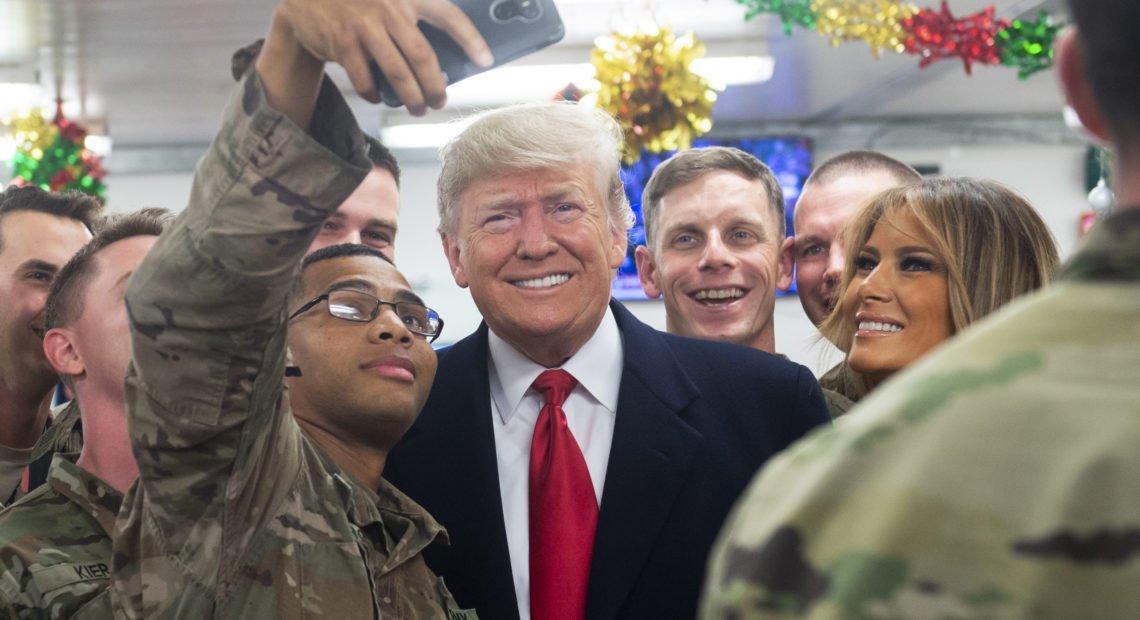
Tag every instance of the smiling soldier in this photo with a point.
(714, 222)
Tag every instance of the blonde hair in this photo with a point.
(993, 243)
(540, 136)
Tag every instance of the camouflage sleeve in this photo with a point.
(207, 315)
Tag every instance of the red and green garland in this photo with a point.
(52, 155)
(1026, 45)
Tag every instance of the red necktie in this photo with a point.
(563, 509)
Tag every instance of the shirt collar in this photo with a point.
(597, 366)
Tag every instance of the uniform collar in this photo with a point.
(404, 529)
(86, 490)
(1110, 252)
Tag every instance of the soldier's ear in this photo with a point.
(1074, 82)
(787, 264)
(61, 353)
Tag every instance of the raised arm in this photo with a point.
(207, 308)
(207, 305)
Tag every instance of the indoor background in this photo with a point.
(153, 77)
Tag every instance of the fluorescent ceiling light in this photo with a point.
(734, 70)
(519, 83)
(99, 145)
(421, 135)
(515, 83)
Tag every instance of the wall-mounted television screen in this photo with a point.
(788, 157)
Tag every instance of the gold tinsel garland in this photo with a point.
(878, 23)
(647, 86)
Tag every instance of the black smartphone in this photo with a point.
(511, 28)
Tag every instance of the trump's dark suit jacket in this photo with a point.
(695, 420)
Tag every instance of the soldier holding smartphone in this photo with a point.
(254, 501)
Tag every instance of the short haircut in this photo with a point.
(381, 157)
(692, 164)
(861, 162)
(536, 136)
(343, 249)
(993, 243)
(329, 252)
(1105, 30)
(65, 298)
(68, 204)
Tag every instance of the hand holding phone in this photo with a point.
(511, 28)
(307, 33)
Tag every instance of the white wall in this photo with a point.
(136, 191)
(1051, 177)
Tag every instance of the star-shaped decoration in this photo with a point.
(935, 35)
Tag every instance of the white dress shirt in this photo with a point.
(590, 410)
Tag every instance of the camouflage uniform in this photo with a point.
(62, 436)
(55, 547)
(843, 383)
(995, 479)
(837, 404)
(236, 513)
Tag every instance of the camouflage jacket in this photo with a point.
(236, 513)
(55, 547)
(837, 404)
(845, 384)
(63, 435)
(996, 478)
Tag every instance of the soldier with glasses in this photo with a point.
(262, 403)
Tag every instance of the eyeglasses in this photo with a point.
(361, 307)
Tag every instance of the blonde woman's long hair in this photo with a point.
(993, 243)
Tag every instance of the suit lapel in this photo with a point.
(651, 441)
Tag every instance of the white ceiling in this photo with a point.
(156, 72)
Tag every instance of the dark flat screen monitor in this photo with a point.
(788, 157)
